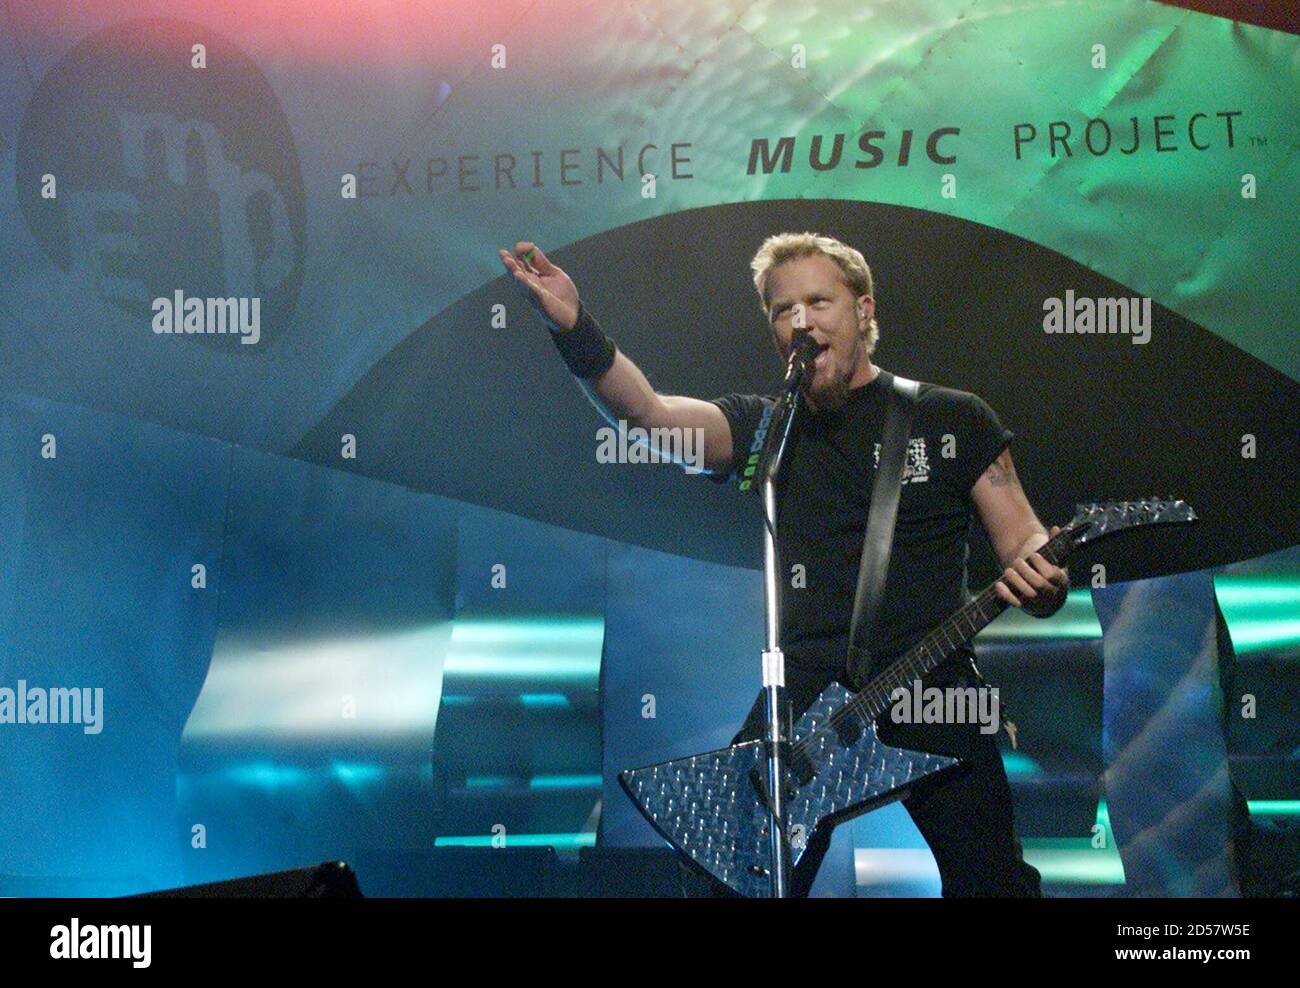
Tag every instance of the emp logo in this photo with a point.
(168, 179)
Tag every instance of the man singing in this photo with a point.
(957, 458)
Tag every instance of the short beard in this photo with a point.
(838, 392)
(830, 398)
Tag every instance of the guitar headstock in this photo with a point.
(1095, 521)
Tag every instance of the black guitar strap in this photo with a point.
(879, 538)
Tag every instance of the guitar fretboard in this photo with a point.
(926, 655)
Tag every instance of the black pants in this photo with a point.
(965, 815)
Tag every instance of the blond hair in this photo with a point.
(782, 247)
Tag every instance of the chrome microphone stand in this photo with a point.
(773, 658)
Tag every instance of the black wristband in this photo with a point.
(585, 347)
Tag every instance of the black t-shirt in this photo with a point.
(823, 498)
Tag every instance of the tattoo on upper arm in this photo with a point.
(1002, 472)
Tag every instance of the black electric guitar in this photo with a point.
(713, 808)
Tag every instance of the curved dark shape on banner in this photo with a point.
(490, 416)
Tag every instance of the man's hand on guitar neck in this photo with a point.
(1029, 581)
(1032, 583)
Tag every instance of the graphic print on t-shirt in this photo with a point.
(917, 468)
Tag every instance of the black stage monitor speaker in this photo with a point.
(628, 873)
(331, 880)
(460, 872)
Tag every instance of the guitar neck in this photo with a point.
(927, 654)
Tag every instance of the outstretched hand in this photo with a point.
(548, 289)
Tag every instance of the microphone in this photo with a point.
(801, 357)
(802, 354)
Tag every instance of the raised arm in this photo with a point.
(621, 391)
